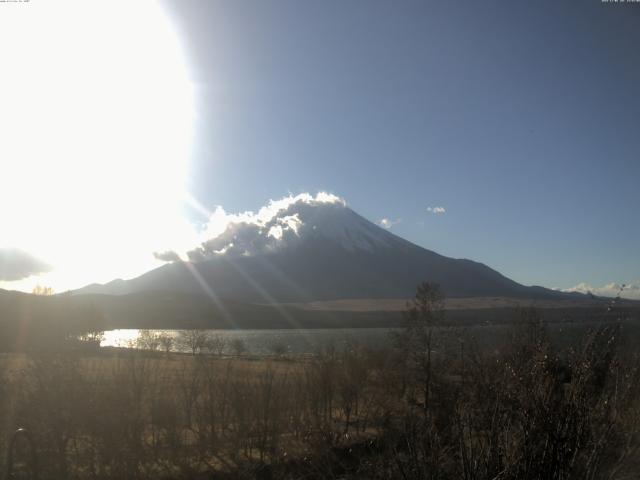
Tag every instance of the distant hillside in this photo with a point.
(24, 315)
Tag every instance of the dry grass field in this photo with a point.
(436, 404)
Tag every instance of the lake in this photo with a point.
(261, 342)
(300, 341)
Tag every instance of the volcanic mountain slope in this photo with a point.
(311, 249)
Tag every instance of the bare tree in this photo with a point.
(425, 312)
(42, 290)
(193, 340)
(148, 341)
(215, 344)
(238, 346)
(166, 342)
(93, 337)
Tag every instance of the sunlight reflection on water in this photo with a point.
(120, 338)
(260, 342)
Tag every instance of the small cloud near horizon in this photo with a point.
(630, 291)
(436, 210)
(388, 223)
(16, 264)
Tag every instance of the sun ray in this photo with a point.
(264, 294)
(191, 268)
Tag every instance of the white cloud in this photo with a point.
(291, 223)
(436, 210)
(630, 290)
(247, 233)
(388, 223)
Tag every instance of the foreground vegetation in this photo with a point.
(434, 404)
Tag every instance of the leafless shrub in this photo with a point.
(166, 342)
(148, 340)
(279, 349)
(215, 344)
(192, 340)
(238, 346)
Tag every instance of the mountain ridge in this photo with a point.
(310, 251)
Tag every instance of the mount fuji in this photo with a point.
(308, 249)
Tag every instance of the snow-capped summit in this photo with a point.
(338, 223)
(290, 222)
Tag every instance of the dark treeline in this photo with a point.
(53, 322)
(46, 322)
(435, 404)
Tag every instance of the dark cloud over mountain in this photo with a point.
(168, 256)
(17, 264)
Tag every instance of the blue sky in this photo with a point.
(519, 118)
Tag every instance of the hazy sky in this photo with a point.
(505, 132)
(521, 119)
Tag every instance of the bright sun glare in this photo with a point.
(95, 119)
